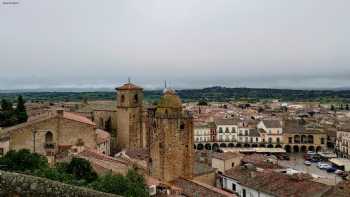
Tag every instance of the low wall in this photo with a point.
(20, 185)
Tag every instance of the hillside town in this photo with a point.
(216, 149)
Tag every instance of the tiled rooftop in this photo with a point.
(277, 184)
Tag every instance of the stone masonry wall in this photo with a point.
(19, 185)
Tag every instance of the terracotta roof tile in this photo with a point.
(226, 155)
(78, 118)
(192, 188)
(277, 184)
(102, 136)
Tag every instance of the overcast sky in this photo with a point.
(190, 43)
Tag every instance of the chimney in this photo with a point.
(60, 112)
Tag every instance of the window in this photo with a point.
(278, 140)
(270, 140)
(322, 140)
(233, 164)
(182, 126)
(220, 130)
(233, 130)
(246, 132)
(122, 98)
(270, 131)
(290, 139)
(48, 137)
(136, 98)
(233, 187)
(256, 139)
(227, 130)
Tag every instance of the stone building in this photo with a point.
(53, 133)
(299, 137)
(170, 139)
(129, 116)
(164, 131)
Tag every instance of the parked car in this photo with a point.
(308, 163)
(307, 157)
(311, 152)
(339, 172)
(315, 160)
(331, 169)
(282, 156)
(323, 165)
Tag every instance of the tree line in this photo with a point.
(207, 94)
(10, 115)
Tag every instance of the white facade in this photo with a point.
(201, 134)
(232, 185)
(273, 135)
(226, 133)
(343, 144)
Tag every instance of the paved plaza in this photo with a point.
(297, 162)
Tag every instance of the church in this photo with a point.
(165, 131)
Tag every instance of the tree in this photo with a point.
(21, 111)
(22, 161)
(6, 105)
(332, 108)
(115, 184)
(202, 103)
(347, 107)
(81, 169)
(131, 185)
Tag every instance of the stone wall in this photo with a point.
(19, 185)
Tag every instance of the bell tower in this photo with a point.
(129, 116)
(170, 139)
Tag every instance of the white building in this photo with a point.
(201, 132)
(273, 131)
(226, 130)
(246, 182)
(343, 142)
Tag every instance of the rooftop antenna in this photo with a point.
(164, 84)
(129, 80)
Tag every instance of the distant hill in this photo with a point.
(209, 94)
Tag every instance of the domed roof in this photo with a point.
(170, 99)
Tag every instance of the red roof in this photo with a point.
(102, 136)
(278, 184)
(129, 86)
(78, 118)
